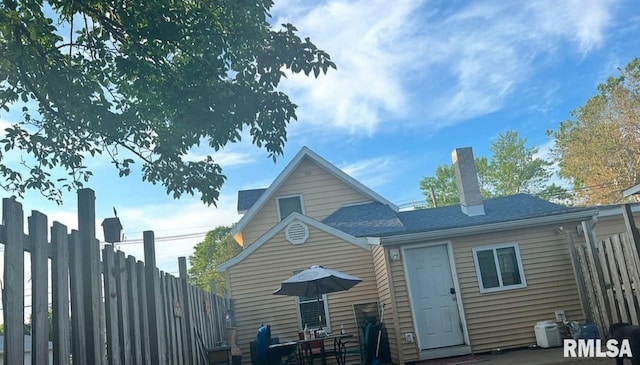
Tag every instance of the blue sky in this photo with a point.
(415, 80)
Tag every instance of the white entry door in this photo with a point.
(433, 297)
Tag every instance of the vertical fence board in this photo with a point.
(60, 295)
(13, 280)
(91, 275)
(144, 314)
(199, 311)
(632, 268)
(134, 310)
(40, 288)
(187, 311)
(608, 274)
(78, 339)
(626, 281)
(169, 318)
(586, 271)
(605, 313)
(616, 280)
(123, 313)
(111, 307)
(154, 304)
(179, 320)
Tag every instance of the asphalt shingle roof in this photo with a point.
(247, 198)
(378, 220)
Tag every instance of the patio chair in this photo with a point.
(350, 352)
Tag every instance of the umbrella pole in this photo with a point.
(319, 308)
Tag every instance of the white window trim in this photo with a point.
(326, 315)
(495, 258)
(289, 196)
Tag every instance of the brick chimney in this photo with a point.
(467, 179)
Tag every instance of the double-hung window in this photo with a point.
(289, 204)
(499, 267)
(310, 309)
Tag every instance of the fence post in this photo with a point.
(154, 301)
(60, 294)
(13, 288)
(40, 288)
(630, 225)
(182, 266)
(91, 274)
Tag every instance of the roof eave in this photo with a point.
(617, 210)
(483, 228)
(630, 191)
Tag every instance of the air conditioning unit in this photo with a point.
(547, 334)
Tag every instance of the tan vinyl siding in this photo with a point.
(322, 195)
(505, 319)
(253, 281)
(403, 310)
(385, 297)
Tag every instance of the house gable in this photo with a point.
(323, 188)
(294, 217)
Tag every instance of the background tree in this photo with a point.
(142, 82)
(218, 246)
(599, 148)
(513, 168)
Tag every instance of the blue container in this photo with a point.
(589, 331)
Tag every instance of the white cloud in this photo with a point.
(583, 22)
(411, 60)
(372, 172)
(371, 53)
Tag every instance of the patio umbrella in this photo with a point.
(315, 281)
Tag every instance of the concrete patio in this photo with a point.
(538, 356)
(533, 356)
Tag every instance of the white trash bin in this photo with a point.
(547, 334)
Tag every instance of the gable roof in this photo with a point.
(247, 198)
(305, 152)
(358, 241)
(376, 220)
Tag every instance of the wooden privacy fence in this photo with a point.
(106, 309)
(610, 273)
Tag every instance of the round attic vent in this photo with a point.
(296, 232)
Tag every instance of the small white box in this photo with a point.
(547, 334)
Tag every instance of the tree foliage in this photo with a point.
(599, 148)
(513, 168)
(218, 246)
(142, 82)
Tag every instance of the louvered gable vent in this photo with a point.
(296, 232)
